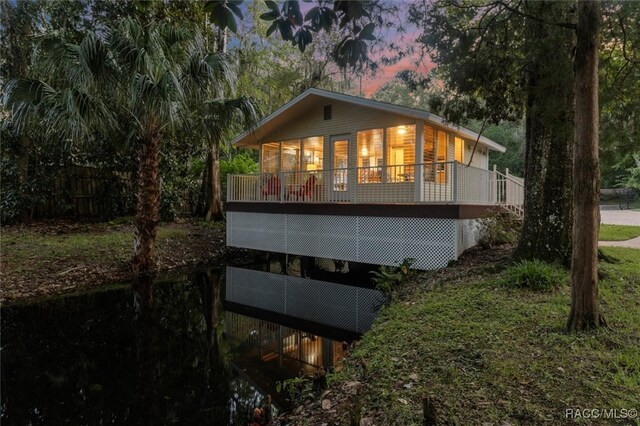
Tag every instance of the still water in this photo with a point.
(199, 347)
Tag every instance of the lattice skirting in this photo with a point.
(377, 240)
(337, 305)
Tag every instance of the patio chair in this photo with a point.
(308, 189)
(271, 187)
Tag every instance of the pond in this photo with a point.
(202, 346)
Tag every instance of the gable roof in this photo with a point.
(311, 96)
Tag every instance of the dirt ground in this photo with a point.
(50, 258)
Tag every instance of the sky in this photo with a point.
(401, 39)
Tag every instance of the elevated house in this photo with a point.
(342, 177)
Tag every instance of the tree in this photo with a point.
(585, 312)
(138, 75)
(499, 61)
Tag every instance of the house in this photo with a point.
(342, 177)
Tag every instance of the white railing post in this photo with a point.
(455, 182)
(418, 172)
(282, 185)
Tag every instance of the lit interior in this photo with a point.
(370, 155)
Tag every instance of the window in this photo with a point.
(370, 156)
(441, 176)
(312, 153)
(459, 150)
(290, 156)
(270, 157)
(428, 156)
(327, 112)
(401, 148)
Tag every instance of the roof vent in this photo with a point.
(327, 112)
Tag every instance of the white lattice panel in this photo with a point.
(377, 240)
(468, 234)
(332, 237)
(259, 231)
(337, 305)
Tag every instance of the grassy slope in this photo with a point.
(487, 353)
(618, 232)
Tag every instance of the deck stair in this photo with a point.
(509, 192)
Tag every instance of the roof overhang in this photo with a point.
(312, 96)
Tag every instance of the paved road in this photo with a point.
(632, 243)
(620, 217)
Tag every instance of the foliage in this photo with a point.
(240, 163)
(356, 20)
(296, 388)
(388, 278)
(632, 179)
(534, 275)
(497, 229)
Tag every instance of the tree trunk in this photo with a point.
(546, 232)
(213, 201)
(585, 312)
(147, 208)
(213, 189)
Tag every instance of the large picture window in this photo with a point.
(428, 156)
(370, 156)
(441, 153)
(459, 149)
(312, 155)
(290, 156)
(401, 148)
(271, 157)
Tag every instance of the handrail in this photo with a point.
(442, 182)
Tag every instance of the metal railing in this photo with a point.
(443, 182)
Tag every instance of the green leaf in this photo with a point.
(231, 21)
(273, 6)
(269, 16)
(272, 28)
(233, 6)
(367, 32)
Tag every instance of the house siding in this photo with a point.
(345, 118)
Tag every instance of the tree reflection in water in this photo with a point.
(92, 358)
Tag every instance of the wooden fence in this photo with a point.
(81, 191)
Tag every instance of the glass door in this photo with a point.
(340, 168)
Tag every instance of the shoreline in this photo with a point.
(48, 259)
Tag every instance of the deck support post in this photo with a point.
(418, 173)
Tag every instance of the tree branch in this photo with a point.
(511, 9)
(624, 42)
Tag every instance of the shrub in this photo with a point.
(499, 228)
(386, 278)
(535, 275)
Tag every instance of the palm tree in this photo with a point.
(211, 82)
(137, 72)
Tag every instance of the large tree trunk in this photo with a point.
(213, 200)
(585, 312)
(147, 208)
(546, 232)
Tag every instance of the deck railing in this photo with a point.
(444, 182)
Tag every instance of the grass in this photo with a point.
(618, 232)
(489, 353)
(31, 250)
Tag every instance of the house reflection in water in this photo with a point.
(282, 326)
